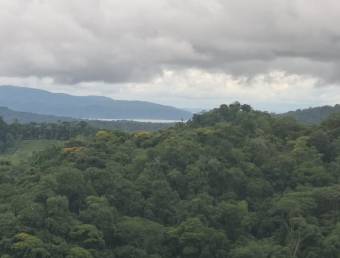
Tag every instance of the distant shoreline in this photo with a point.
(163, 121)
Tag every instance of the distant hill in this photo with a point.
(313, 115)
(98, 107)
(10, 116)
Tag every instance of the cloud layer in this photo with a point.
(134, 41)
(276, 55)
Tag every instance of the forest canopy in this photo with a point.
(230, 183)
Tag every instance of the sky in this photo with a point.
(275, 55)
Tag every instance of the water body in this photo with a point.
(140, 120)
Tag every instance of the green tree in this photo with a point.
(29, 246)
(192, 239)
(87, 236)
(78, 252)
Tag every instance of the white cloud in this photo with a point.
(134, 40)
(186, 53)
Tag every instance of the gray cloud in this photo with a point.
(133, 40)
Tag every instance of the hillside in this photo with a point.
(10, 116)
(23, 150)
(231, 183)
(314, 115)
(84, 107)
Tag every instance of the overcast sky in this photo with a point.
(274, 54)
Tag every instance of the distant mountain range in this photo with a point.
(27, 105)
(84, 107)
(313, 115)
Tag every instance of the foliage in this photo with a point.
(314, 115)
(230, 183)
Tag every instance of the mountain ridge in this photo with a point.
(313, 115)
(99, 107)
